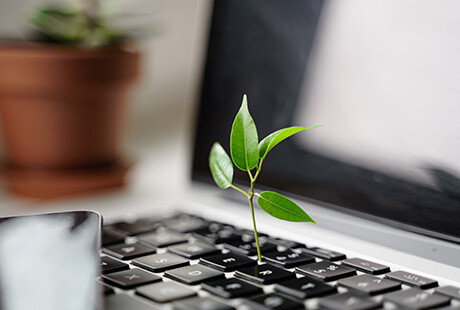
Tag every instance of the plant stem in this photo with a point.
(251, 204)
(259, 167)
(259, 255)
(239, 189)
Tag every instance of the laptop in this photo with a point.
(385, 194)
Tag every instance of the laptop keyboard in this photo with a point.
(187, 262)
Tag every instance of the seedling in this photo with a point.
(248, 155)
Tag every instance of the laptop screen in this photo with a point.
(389, 146)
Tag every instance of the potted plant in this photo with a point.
(62, 104)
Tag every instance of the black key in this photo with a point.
(212, 228)
(366, 266)
(193, 274)
(227, 262)
(264, 274)
(109, 265)
(326, 271)
(287, 243)
(415, 298)
(249, 248)
(193, 250)
(249, 234)
(371, 285)
(164, 291)
(271, 301)
(324, 253)
(412, 279)
(304, 288)
(348, 301)
(288, 259)
(200, 303)
(128, 251)
(110, 237)
(249, 237)
(130, 278)
(449, 290)
(162, 238)
(223, 236)
(231, 288)
(160, 262)
(185, 223)
(131, 229)
(216, 234)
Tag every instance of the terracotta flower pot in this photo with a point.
(62, 108)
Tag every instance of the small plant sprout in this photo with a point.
(248, 155)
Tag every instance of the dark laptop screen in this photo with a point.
(372, 156)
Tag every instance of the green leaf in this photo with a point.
(221, 166)
(273, 139)
(283, 208)
(55, 23)
(243, 139)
